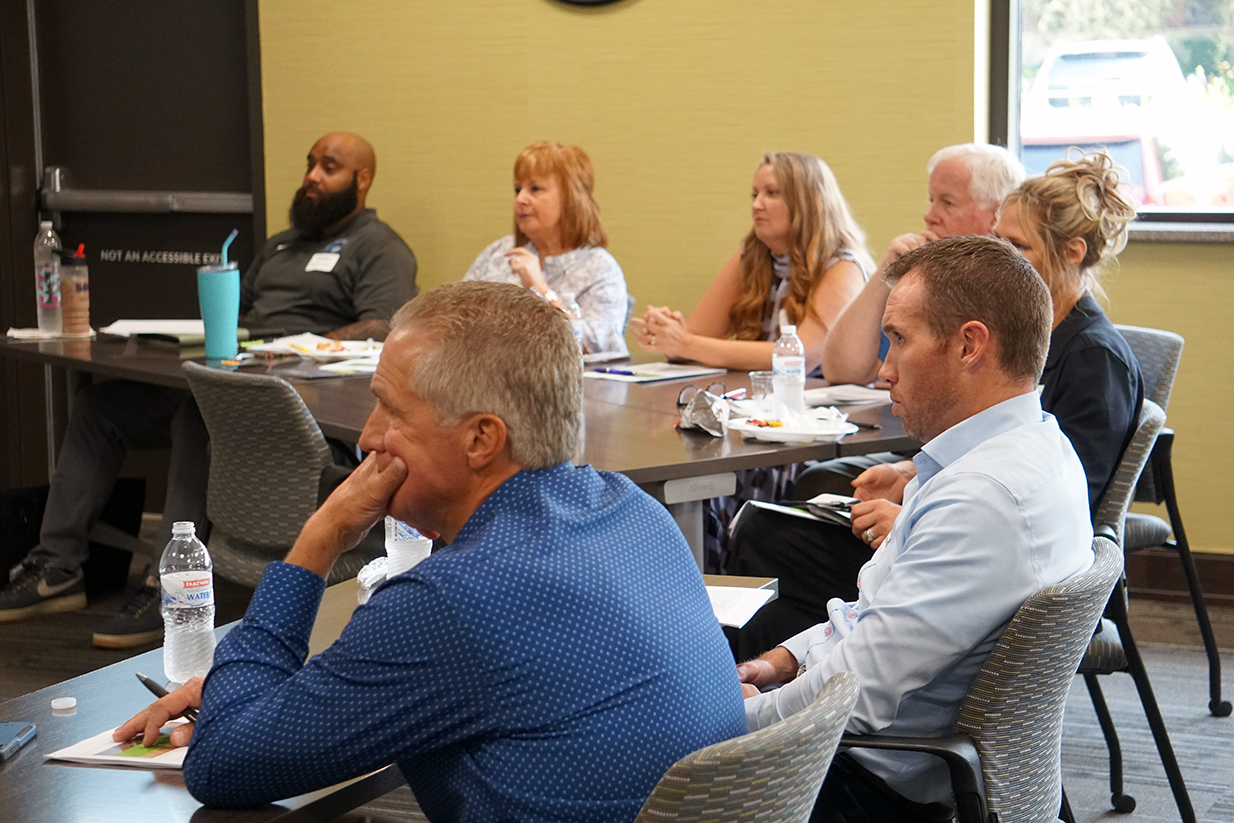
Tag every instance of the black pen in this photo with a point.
(189, 714)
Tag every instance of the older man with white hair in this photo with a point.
(967, 183)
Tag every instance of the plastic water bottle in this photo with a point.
(788, 374)
(188, 605)
(570, 306)
(405, 547)
(47, 278)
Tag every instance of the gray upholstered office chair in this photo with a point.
(266, 457)
(1159, 353)
(772, 774)
(1004, 752)
(1113, 648)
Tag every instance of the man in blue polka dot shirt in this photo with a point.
(549, 663)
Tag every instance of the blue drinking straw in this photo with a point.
(227, 244)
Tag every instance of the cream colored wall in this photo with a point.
(675, 100)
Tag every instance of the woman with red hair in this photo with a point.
(558, 245)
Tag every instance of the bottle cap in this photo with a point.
(64, 704)
(71, 258)
(45, 224)
(788, 328)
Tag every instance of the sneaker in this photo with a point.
(139, 623)
(35, 589)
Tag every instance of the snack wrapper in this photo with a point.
(707, 412)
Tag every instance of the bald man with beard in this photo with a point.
(338, 271)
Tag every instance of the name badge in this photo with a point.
(322, 261)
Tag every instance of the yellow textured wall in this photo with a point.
(675, 100)
(1189, 289)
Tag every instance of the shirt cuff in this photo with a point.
(799, 644)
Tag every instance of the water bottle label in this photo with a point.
(789, 367)
(187, 590)
(48, 286)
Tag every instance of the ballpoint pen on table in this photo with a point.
(189, 714)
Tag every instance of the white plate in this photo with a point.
(818, 431)
(316, 347)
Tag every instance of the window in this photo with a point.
(1151, 82)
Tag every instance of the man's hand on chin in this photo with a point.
(348, 513)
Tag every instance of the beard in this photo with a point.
(923, 422)
(310, 217)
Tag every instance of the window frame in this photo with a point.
(1169, 226)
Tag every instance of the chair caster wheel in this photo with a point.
(1219, 708)
(1122, 803)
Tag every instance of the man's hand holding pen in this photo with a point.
(149, 720)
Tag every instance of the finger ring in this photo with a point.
(653, 340)
(868, 535)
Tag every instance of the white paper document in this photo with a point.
(735, 605)
(650, 372)
(124, 328)
(101, 750)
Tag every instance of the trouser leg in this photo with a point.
(851, 794)
(187, 475)
(813, 561)
(837, 476)
(108, 419)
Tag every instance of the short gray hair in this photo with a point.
(500, 349)
(993, 171)
(987, 280)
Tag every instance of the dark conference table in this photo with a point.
(35, 791)
(628, 427)
(32, 791)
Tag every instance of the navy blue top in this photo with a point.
(1092, 384)
(550, 664)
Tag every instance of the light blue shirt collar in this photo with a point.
(958, 440)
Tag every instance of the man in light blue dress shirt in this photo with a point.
(997, 512)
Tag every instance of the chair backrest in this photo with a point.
(1112, 508)
(1159, 353)
(1014, 709)
(771, 774)
(266, 457)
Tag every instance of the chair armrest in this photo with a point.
(957, 751)
(1107, 531)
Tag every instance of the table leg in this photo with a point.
(684, 498)
(49, 415)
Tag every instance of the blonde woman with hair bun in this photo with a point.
(1070, 223)
(805, 255)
